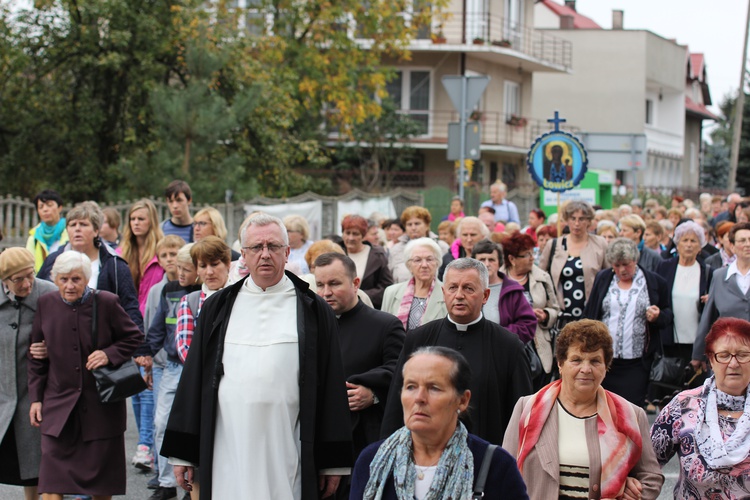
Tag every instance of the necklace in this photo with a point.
(421, 469)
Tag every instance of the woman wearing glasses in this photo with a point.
(729, 287)
(209, 222)
(709, 427)
(574, 259)
(420, 299)
(539, 291)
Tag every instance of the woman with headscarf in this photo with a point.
(20, 444)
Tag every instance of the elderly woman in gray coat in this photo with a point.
(20, 448)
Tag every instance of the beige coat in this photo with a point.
(544, 296)
(435, 306)
(592, 257)
(541, 470)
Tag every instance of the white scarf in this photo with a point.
(717, 452)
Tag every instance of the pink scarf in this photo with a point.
(619, 435)
(408, 298)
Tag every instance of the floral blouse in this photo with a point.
(674, 432)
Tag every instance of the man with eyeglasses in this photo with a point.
(260, 404)
(729, 294)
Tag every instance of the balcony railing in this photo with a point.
(497, 128)
(497, 31)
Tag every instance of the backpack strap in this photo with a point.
(483, 471)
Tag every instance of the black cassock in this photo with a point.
(371, 342)
(499, 374)
(325, 424)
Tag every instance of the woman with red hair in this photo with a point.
(709, 427)
(371, 261)
(539, 291)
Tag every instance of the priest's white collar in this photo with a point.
(463, 328)
(283, 285)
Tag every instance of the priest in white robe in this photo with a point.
(261, 407)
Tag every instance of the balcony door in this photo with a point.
(477, 20)
(513, 25)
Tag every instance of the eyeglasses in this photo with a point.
(725, 357)
(419, 261)
(200, 223)
(29, 277)
(527, 255)
(271, 247)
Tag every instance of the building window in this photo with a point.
(649, 112)
(512, 100)
(410, 91)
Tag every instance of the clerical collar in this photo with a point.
(463, 328)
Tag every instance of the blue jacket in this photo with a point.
(503, 479)
(114, 277)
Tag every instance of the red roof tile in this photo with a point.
(579, 21)
(698, 109)
(696, 65)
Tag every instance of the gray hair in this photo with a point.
(467, 263)
(574, 206)
(70, 261)
(666, 224)
(261, 219)
(622, 250)
(428, 243)
(475, 220)
(689, 227)
(87, 210)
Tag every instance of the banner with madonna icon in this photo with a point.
(557, 160)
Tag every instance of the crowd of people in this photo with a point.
(493, 357)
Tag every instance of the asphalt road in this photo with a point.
(136, 487)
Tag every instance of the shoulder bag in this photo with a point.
(483, 471)
(114, 383)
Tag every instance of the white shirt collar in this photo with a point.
(463, 328)
(732, 269)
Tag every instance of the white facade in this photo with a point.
(628, 82)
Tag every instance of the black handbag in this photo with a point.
(535, 364)
(114, 383)
(667, 371)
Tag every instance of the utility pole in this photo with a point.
(739, 110)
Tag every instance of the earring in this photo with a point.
(458, 411)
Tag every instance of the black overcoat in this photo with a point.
(371, 342)
(500, 374)
(325, 425)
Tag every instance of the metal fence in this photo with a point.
(19, 215)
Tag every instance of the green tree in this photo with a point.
(381, 146)
(715, 169)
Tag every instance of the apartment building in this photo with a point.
(629, 82)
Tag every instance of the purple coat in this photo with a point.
(516, 313)
(62, 383)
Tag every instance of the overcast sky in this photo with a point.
(714, 28)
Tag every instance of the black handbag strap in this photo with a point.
(94, 325)
(483, 471)
(551, 255)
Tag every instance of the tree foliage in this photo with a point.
(114, 98)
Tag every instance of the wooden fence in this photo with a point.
(19, 215)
